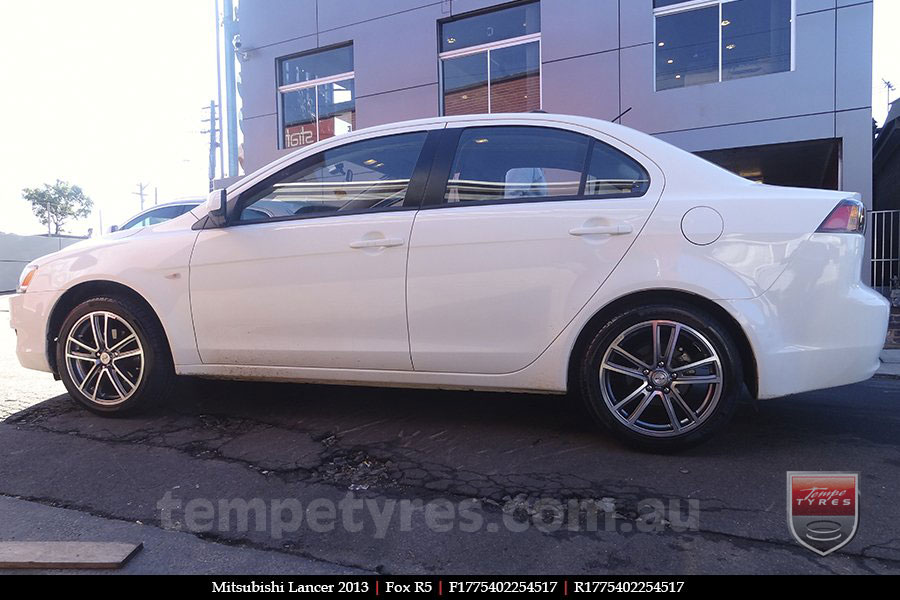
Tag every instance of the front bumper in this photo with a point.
(818, 326)
(29, 314)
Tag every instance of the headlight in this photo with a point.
(25, 278)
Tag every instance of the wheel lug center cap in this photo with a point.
(659, 378)
(105, 358)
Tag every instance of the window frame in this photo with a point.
(487, 48)
(281, 90)
(691, 5)
(439, 180)
(416, 186)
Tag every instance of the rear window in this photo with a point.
(521, 163)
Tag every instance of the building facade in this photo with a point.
(778, 91)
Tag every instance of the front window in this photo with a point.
(360, 176)
(718, 40)
(491, 62)
(316, 96)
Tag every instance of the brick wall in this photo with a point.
(893, 336)
(521, 94)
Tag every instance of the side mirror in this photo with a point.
(217, 202)
(113, 228)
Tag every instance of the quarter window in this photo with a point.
(612, 173)
(718, 40)
(512, 164)
(360, 176)
(317, 98)
(491, 62)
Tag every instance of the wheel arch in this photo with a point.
(78, 294)
(602, 316)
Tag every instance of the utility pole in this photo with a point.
(140, 192)
(890, 88)
(230, 86)
(213, 141)
(219, 92)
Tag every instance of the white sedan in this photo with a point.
(526, 252)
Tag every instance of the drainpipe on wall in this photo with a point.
(230, 86)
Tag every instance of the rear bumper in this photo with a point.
(818, 326)
(29, 314)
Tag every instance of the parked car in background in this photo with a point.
(159, 213)
(515, 252)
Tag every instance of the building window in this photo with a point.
(491, 62)
(316, 96)
(705, 41)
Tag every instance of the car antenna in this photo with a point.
(627, 110)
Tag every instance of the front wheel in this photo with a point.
(113, 357)
(662, 377)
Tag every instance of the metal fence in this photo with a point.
(885, 228)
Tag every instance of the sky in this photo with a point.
(107, 94)
(104, 94)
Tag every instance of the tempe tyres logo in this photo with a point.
(822, 509)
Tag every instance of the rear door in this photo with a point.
(521, 225)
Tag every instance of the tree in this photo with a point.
(56, 204)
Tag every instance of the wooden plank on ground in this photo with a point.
(66, 555)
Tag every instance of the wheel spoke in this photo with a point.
(116, 386)
(617, 369)
(124, 377)
(85, 346)
(90, 373)
(635, 360)
(648, 397)
(656, 349)
(693, 379)
(691, 414)
(85, 357)
(122, 342)
(128, 354)
(630, 397)
(97, 385)
(670, 348)
(106, 330)
(699, 363)
(94, 332)
(667, 403)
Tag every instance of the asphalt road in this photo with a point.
(254, 478)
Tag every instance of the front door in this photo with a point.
(310, 272)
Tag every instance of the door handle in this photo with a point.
(377, 243)
(617, 229)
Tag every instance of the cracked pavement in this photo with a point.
(67, 474)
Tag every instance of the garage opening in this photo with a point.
(809, 164)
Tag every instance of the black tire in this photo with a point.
(150, 382)
(700, 332)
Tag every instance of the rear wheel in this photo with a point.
(662, 377)
(113, 357)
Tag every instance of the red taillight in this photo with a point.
(849, 216)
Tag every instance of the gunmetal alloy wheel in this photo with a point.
(104, 358)
(661, 378)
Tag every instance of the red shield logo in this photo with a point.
(822, 509)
